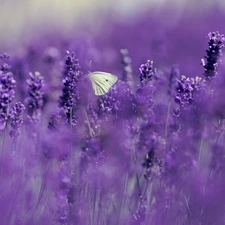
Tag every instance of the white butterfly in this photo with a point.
(102, 82)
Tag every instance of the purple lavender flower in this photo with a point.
(186, 90)
(7, 89)
(147, 71)
(216, 43)
(7, 92)
(34, 102)
(71, 94)
(109, 104)
(55, 120)
(16, 119)
(5, 66)
(144, 93)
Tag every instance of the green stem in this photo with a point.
(2, 152)
(202, 142)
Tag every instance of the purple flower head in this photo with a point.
(55, 120)
(147, 71)
(16, 119)
(214, 52)
(7, 90)
(34, 102)
(186, 90)
(71, 93)
(144, 93)
(108, 104)
(7, 86)
(5, 66)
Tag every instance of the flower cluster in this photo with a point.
(187, 88)
(147, 71)
(216, 43)
(7, 90)
(16, 119)
(71, 94)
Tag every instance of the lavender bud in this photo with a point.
(5, 66)
(7, 90)
(109, 104)
(186, 90)
(147, 72)
(16, 119)
(55, 120)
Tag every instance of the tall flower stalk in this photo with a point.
(214, 53)
(7, 90)
(7, 94)
(70, 97)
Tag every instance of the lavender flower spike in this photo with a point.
(16, 119)
(71, 94)
(186, 90)
(147, 72)
(7, 92)
(216, 43)
(34, 101)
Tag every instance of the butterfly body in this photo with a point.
(102, 81)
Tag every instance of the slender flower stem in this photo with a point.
(2, 152)
(167, 119)
(124, 197)
(149, 193)
(42, 184)
(14, 146)
(202, 156)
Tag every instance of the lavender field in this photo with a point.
(150, 151)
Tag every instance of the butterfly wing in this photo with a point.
(102, 82)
